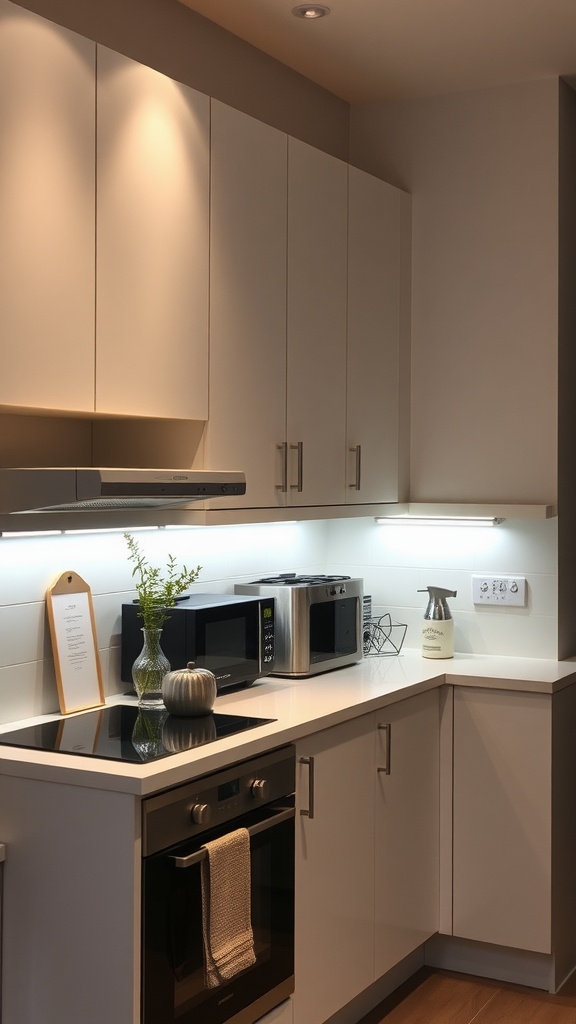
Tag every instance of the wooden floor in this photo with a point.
(440, 997)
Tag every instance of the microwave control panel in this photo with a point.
(267, 632)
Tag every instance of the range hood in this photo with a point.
(91, 489)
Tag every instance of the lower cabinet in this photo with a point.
(366, 851)
(502, 818)
(334, 920)
(513, 821)
(406, 879)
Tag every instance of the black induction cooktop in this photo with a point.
(124, 732)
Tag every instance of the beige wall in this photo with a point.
(483, 171)
(174, 40)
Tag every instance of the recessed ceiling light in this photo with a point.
(310, 11)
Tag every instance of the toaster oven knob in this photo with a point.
(260, 789)
(201, 814)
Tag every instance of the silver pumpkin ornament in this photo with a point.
(189, 692)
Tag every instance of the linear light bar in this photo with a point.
(15, 534)
(438, 520)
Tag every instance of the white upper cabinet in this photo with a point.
(46, 213)
(278, 313)
(247, 301)
(152, 243)
(378, 224)
(164, 256)
(316, 333)
(308, 310)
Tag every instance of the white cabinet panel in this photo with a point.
(317, 270)
(295, 270)
(334, 940)
(71, 904)
(46, 213)
(152, 243)
(367, 863)
(502, 818)
(248, 301)
(407, 828)
(377, 289)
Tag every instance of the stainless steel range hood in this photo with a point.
(77, 490)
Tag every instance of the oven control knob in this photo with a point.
(201, 814)
(260, 789)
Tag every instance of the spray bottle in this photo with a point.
(438, 625)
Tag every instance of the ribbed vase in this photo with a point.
(149, 669)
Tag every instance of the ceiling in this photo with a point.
(382, 49)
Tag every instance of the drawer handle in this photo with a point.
(309, 811)
(386, 728)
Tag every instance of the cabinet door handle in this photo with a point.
(385, 727)
(309, 811)
(283, 485)
(298, 448)
(356, 449)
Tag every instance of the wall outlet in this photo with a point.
(509, 590)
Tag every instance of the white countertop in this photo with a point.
(298, 707)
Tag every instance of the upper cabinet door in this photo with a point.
(377, 294)
(152, 243)
(317, 271)
(46, 214)
(248, 303)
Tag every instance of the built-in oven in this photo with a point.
(256, 796)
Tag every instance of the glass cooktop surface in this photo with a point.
(125, 732)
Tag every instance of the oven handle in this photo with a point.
(284, 814)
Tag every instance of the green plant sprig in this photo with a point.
(157, 593)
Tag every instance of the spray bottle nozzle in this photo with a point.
(438, 592)
(437, 607)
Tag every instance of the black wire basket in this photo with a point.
(382, 637)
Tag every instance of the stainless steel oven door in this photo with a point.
(173, 980)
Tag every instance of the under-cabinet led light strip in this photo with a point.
(438, 520)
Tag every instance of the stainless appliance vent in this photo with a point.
(95, 489)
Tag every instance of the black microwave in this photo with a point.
(229, 634)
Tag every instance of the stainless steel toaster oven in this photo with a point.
(318, 621)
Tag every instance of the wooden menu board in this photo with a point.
(73, 633)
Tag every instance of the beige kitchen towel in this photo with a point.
(226, 917)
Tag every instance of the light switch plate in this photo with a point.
(508, 590)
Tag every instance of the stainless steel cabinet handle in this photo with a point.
(358, 473)
(298, 448)
(283, 486)
(309, 811)
(386, 729)
(284, 814)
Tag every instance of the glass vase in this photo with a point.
(148, 732)
(149, 669)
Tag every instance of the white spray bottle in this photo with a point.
(438, 625)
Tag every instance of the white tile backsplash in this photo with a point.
(396, 561)
(393, 561)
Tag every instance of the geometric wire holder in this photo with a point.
(382, 637)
